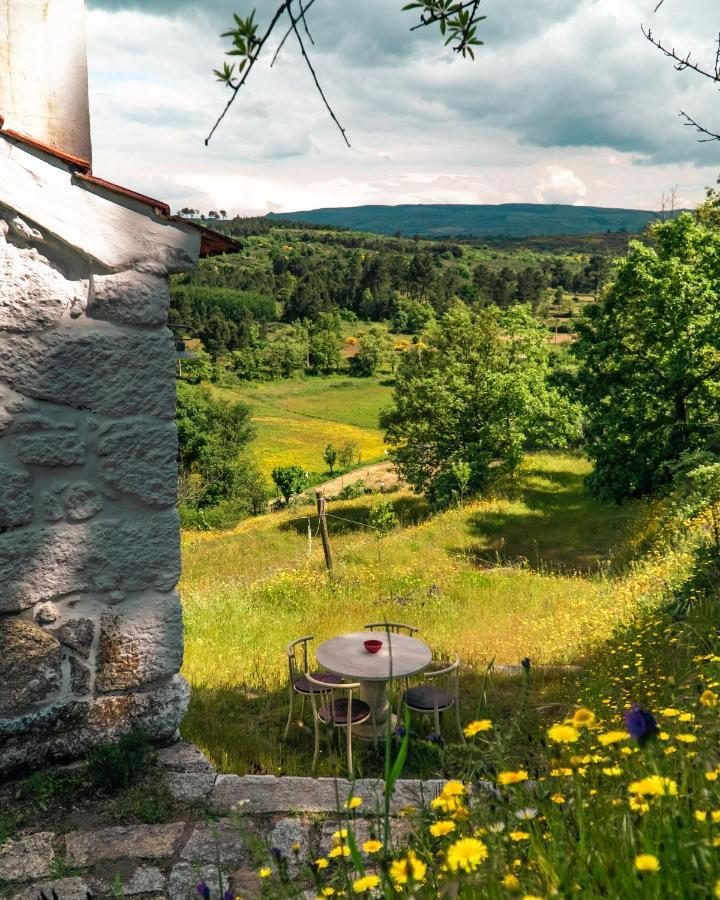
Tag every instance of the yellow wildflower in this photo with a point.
(612, 771)
(701, 815)
(327, 892)
(265, 872)
(466, 855)
(321, 863)
(638, 805)
(686, 738)
(340, 850)
(476, 727)
(353, 803)
(712, 775)
(669, 712)
(646, 862)
(366, 883)
(505, 778)
(558, 798)
(519, 835)
(654, 786)
(339, 836)
(709, 699)
(612, 737)
(409, 869)
(440, 829)
(511, 882)
(563, 734)
(372, 846)
(583, 718)
(454, 789)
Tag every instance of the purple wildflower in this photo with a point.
(640, 724)
(277, 853)
(229, 895)
(203, 890)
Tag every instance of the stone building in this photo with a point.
(90, 619)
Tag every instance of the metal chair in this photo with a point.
(392, 627)
(438, 697)
(336, 711)
(297, 682)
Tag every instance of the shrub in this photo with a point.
(111, 767)
(382, 515)
(352, 491)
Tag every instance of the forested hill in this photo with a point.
(513, 220)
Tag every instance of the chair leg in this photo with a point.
(289, 721)
(302, 708)
(438, 727)
(317, 745)
(349, 751)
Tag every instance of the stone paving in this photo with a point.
(168, 860)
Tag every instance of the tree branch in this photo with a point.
(710, 136)
(312, 71)
(287, 35)
(682, 62)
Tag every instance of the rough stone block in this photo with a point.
(64, 888)
(100, 555)
(144, 880)
(65, 731)
(140, 458)
(51, 448)
(77, 634)
(52, 510)
(291, 837)
(184, 756)
(82, 502)
(16, 502)
(33, 294)
(11, 403)
(141, 640)
(216, 838)
(124, 842)
(184, 878)
(190, 787)
(27, 858)
(30, 665)
(106, 369)
(80, 677)
(130, 297)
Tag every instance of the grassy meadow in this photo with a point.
(297, 419)
(530, 573)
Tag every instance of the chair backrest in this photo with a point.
(324, 694)
(447, 676)
(293, 648)
(392, 627)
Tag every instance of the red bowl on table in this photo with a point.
(373, 645)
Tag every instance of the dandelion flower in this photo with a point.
(563, 734)
(558, 798)
(454, 789)
(265, 872)
(466, 855)
(583, 718)
(612, 737)
(700, 815)
(505, 778)
(669, 712)
(518, 835)
(646, 862)
(367, 883)
(709, 699)
(321, 863)
(686, 738)
(440, 829)
(372, 846)
(409, 869)
(353, 803)
(476, 727)
(654, 786)
(340, 850)
(511, 882)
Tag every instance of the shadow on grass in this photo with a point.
(344, 519)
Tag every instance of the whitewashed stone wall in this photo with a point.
(90, 621)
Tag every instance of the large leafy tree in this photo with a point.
(650, 359)
(472, 398)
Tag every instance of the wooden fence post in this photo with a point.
(324, 530)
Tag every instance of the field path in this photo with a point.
(378, 475)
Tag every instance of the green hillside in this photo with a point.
(515, 220)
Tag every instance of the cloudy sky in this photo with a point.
(565, 103)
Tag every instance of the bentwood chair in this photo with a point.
(334, 705)
(439, 694)
(392, 627)
(297, 682)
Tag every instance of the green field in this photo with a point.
(526, 574)
(296, 419)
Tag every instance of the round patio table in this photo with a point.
(346, 656)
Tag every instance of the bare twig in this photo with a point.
(710, 136)
(313, 73)
(682, 62)
(236, 89)
(286, 36)
(430, 20)
(304, 21)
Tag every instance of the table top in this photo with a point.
(345, 655)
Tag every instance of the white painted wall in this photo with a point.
(43, 72)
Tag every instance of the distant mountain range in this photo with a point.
(511, 220)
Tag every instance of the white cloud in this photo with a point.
(560, 186)
(566, 102)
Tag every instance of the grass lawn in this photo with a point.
(523, 575)
(296, 419)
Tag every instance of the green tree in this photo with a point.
(382, 515)
(330, 456)
(325, 351)
(650, 359)
(289, 480)
(348, 453)
(475, 397)
(374, 350)
(213, 435)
